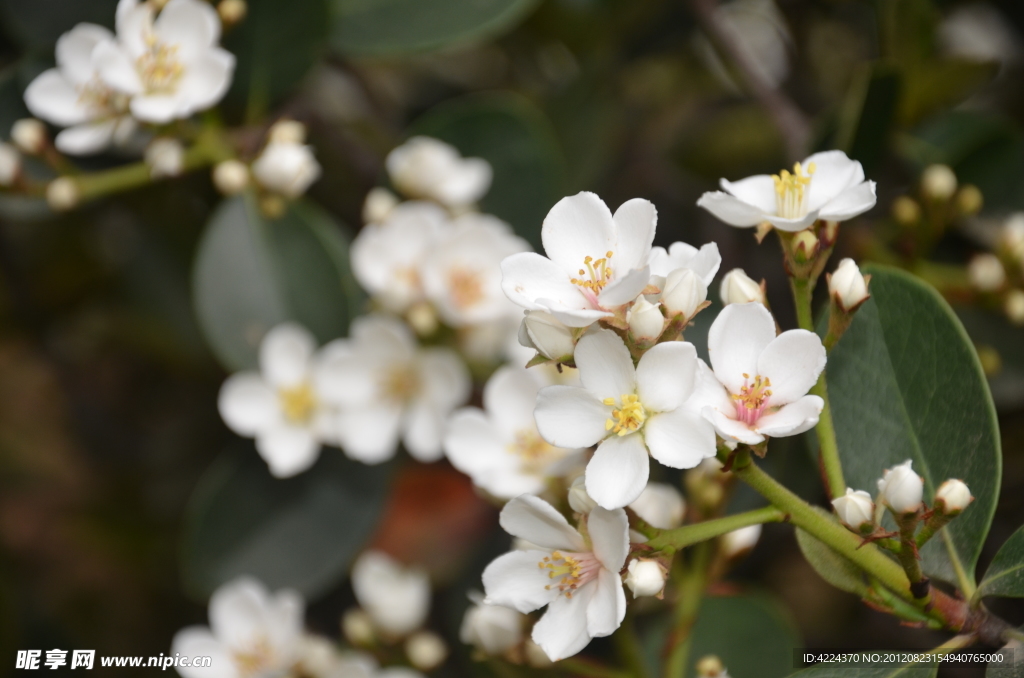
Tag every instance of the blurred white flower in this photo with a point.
(499, 447)
(231, 177)
(739, 541)
(378, 205)
(578, 579)
(287, 131)
(828, 186)
(596, 261)
(386, 387)
(901, 489)
(397, 598)
(321, 658)
(938, 182)
(764, 378)
(1013, 306)
(282, 406)
(426, 650)
(739, 288)
(286, 168)
(492, 629)
(29, 135)
(979, 31)
(252, 633)
(63, 194)
(660, 505)
(165, 157)
(10, 164)
(986, 272)
(429, 169)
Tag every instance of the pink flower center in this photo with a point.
(752, 399)
(569, 570)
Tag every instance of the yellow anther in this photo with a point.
(298, 403)
(534, 452)
(595, 274)
(792, 190)
(629, 417)
(752, 399)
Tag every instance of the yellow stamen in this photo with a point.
(298, 403)
(401, 383)
(793, 190)
(628, 418)
(534, 451)
(596, 274)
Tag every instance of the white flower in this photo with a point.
(660, 505)
(231, 177)
(386, 257)
(579, 500)
(252, 633)
(855, 509)
(645, 577)
(426, 650)
(72, 95)
(462, 272)
(938, 182)
(547, 335)
(986, 272)
(286, 168)
(396, 598)
(901, 489)
(321, 658)
(847, 286)
(953, 496)
(683, 292)
(29, 135)
(628, 411)
(499, 447)
(596, 261)
(10, 164)
(169, 66)
(492, 629)
(165, 157)
(739, 288)
(63, 194)
(765, 377)
(387, 388)
(736, 542)
(577, 580)
(826, 186)
(378, 205)
(425, 168)
(679, 255)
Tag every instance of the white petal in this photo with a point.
(52, 97)
(618, 471)
(624, 289)
(134, 22)
(731, 429)
(562, 631)
(680, 439)
(708, 391)
(731, 210)
(189, 25)
(635, 222)
(609, 537)
(706, 262)
(736, 339)
(665, 375)
(198, 641)
(577, 227)
(385, 332)
(370, 434)
(796, 417)
(792, 361)
(570, 416)
(516, 580)
(86, 139)
(472, 442)
(423, 431)
(74, 51)
(446, 381)
(533, 519)
(510, 397)
(116, 68)
(288, 450)
(850, 203)
(284, 622)
(793, 225)
(834, 173)
(237, 613)
(527, 277)
(604, 364)
(247, 404)
(607, 608)
(573, 317)
(757, 191)
(466, 182)
(206, 81)
(155, 108)
(285, 355)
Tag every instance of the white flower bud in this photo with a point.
(579, 500)
(938, 182)
(660, 505)
(848, 286)
(953, 496)
(378, 205)
(29, 135)
(62, 194)
(287, 132)
(1013, 306)
(231, 177)
(710, 666)
(645, 320)
(684, 291)
(545, 333)
(738, 288)
(165, 157)
(986, 272)
(493, 629)
(286, 168)
(232, 11)
(855, 509)
(10, 164)
(1012, 236)
(357, 626)
(901, 489)
(738, 541)
(426, 650)
(317, 655)
(645, 577)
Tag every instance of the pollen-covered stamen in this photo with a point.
(298, 403)
(255, 660)
(159, 66)
(534, 451)
(466, 287)
(569, 570)
(752, 398)
(628, 417)
(792, 191)
(596, 274)
(401, 383)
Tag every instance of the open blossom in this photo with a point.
(704, 261)
(826, 185)
(252, 632)
(397, 598)
(596, 261)
(429, 169)
(281, 406)
(628, 411)
(499, 447)
(764, 378)
(577, 578)
(387, 388)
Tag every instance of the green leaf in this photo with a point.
(752, 635)
(840, 671)
(300, 532)
(252, 273)
(905, 383)
(515, 137)
(937, 85)
(393, 27)
(832, 567)
(1005, 576)
(38, 23)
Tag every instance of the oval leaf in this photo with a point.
(300, 532)
(832, 567)
(1005, 576)
(906, 383)
(752, 635)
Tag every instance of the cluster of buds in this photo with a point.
(940, 202)
(998, 276)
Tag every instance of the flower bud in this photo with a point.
(426, 650)
(579, 500)
(1012, 236)
(1013, 306)
(660, 505)
(847, 286)
(492, 629)
(901, 489)
(645, 577)
(710, 666)
(855, 510)
(232, 11)
(357, 626)
(738, 541)
(29, 135)
(317, 655)
(738, 288)
(10, 164)
(62, 194)
(952, 497)
(287, 132)
(165, 157)
(683, 293)
(986, 272)
(545, 333)
(969, 200)
(378, 205)
(645, 321)
(906, 211)
(231, 177)
(423, 318)
(286, 168)
(805, 246)
(938, 182)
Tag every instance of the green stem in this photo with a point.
(689, 535)
(691, 583)
(908, 556)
